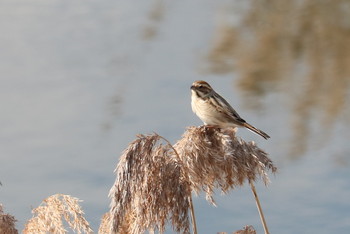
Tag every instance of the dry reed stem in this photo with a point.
(7, 223)
(217, 159)
(48, 217)
(150, 187)
(258, 205)
(193, 216)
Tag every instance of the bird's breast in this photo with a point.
(206, 111)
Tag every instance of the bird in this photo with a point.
(214, 110)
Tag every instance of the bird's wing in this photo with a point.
(224, 107)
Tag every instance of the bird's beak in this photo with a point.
(192, 86)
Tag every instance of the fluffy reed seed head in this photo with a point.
(149, 189)
(7, 223)
(246, 230)
(48, 216)
(213, 159)
(154, 181)
(249, 229)
(104, 225)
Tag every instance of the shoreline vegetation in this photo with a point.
(154, 184)
(298, 48)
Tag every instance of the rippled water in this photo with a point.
(80, 79)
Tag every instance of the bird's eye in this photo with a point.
(200, 87)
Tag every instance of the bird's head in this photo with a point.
(201, 88)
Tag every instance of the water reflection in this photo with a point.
(114, 111)
(155, 15)
(299, 47)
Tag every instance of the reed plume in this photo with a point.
(7, 223)
(104, 225)
(154, 180)
(48, 217)
(149, 189)
(217, 159)
(245, 230)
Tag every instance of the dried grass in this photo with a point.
(154, 183)
(154, 180)
(245, 230)
(149, 187)
(105, 222)
(7, 223)
(217, 159)
(48, 217)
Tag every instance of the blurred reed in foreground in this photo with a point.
(48, 217)
(154, 180)
(245, 230)
(7, 223)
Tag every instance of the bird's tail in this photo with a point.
(257, 131)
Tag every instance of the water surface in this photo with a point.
(80, 79)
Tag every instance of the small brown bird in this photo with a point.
(214, 110)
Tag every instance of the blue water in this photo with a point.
(79, 80)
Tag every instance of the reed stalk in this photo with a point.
(193, 217)
(261, 214)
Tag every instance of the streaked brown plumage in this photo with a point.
(214, 110)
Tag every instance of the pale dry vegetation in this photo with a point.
(214, 159)
(154, 185)
(49, 216)
(155, 179)
(7, 223)
(245, 230)
(150, 188)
